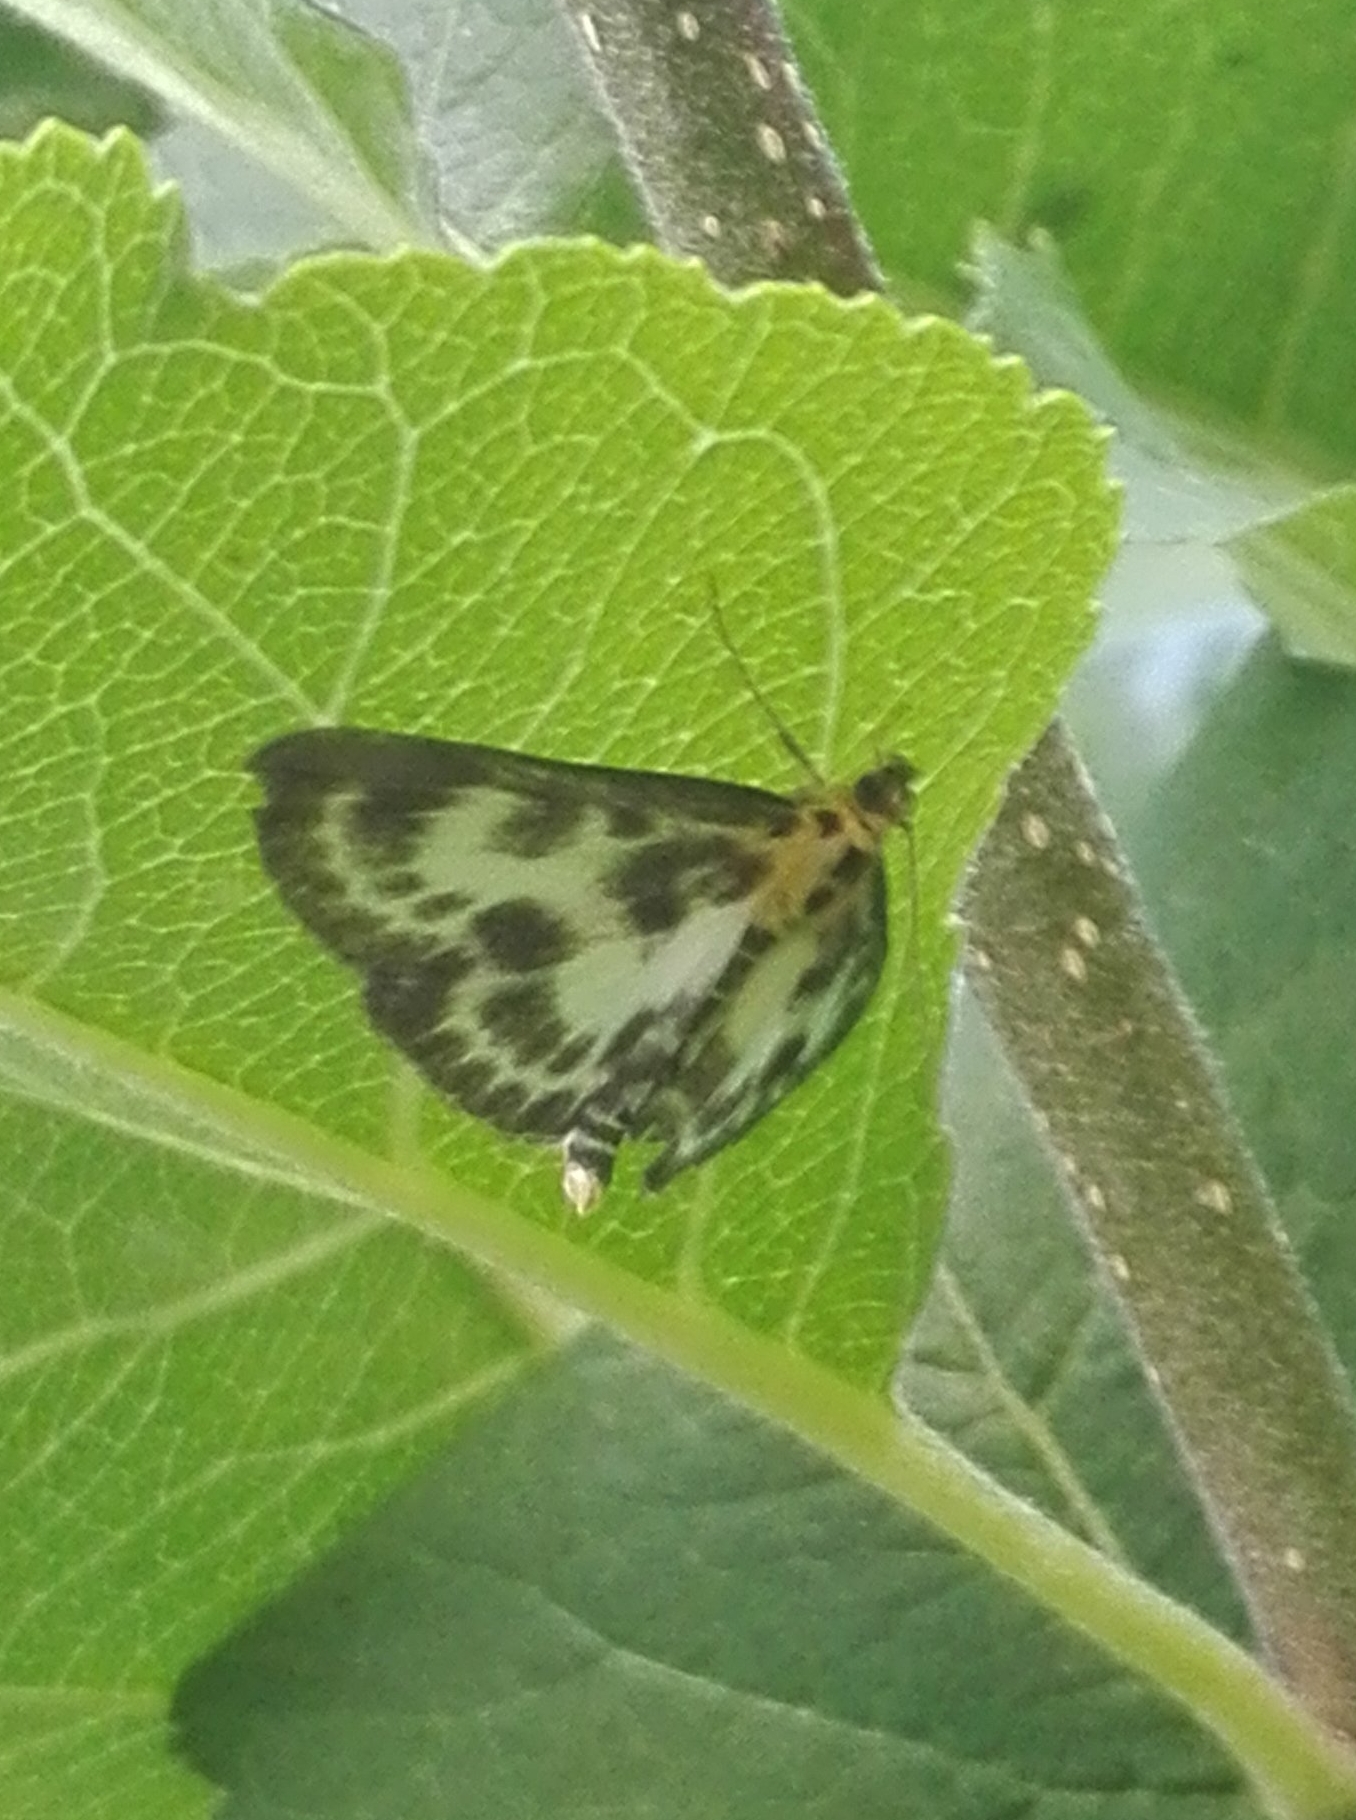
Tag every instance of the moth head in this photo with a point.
(884, 795)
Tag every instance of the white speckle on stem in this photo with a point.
(1215, 1195)
(1073, 965)
(771, 144)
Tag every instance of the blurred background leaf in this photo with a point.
(622, 1594)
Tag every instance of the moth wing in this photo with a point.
(537, 936)
(793, 1005)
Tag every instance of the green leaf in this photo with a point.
(1189, 162)
(41, 75)
(292, 129)
(205, 1372)
(490, 504)
(292, 88)
(504, 108)
(1289, 539)
(1261, 802)
(486, 503)
(1305, 572)
(623, 1596)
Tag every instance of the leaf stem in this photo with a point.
(1110, 1060)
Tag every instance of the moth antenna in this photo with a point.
(775, 721)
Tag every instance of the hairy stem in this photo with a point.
(734, 167)
(1109, 1058)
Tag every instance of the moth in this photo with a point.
(585, 955)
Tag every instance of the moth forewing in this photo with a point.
(582, 954)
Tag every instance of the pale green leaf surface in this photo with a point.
(292, 88)
(625, 1596)
(1305, 571)
(69, 1756)
(416, 495)
(1287, 537)
(503, 105)
(493, 99)
(203, 1373)
(1192, 160)
(1176, 488)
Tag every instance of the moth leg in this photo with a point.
(590, 1150)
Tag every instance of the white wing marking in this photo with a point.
(616, 973)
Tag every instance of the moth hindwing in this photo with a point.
(580, 954)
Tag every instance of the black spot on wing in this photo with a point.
(503, 1103)
(407, 996)
(652, 883)
(440, 1050)
(816, 977)
(483, 1087)
(737, 873)
(400, 883)
(387, 829)
(854, 863)
(522, 936)
(436, 906)
(471, 1082)
(632, 1032)
(703, 1072)
(568, 1056)
(628, 820)
(523, 1019)
(659, 884)
(539, 824)
(785, 1059)
(551, 1115)
(756, 940)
